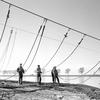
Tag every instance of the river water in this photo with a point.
(93, 81)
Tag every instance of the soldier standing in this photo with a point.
(39, 74)
(54, 73)
(20, 71)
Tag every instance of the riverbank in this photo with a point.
(11, 90)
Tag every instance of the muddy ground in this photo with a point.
(11, 90)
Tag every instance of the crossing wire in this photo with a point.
(7, 17)
(50, 20)
(34, 43)
(57, 49)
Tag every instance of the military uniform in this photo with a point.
(39, 74)
(20, 70)
(54, 74)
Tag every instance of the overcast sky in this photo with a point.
(82, 15)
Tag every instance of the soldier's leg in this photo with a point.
(52, 78)
(19, 80)
(39, 79)
(57, 79)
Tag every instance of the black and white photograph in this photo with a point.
(49, 49)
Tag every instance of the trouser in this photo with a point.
(53, 78)
(56, 77)
(20, 79)
(39, 79)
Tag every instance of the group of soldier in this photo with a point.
(54, 74)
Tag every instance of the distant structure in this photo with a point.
(81, 71)
(67, 71)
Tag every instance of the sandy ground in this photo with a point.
(10, 90)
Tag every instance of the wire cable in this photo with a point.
(3, 54)
(92, 68)
(90, 77)
(57, 49)
(80, 77)
(71, 52)
(7, 17)
(84, 73)
(11, 76)
(34, 43)
(50, 20)
(12, 49)
(88, 70)
(43, 28)
(29, 32)
(7, 46)
(38, 45)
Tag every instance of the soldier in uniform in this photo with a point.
(20, 71)
(54, 74)
(39, 74)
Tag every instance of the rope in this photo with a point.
(71, 52)
(80, 76)
(34, 43)
(7, 17)
(87, 71)
(11, 76)
(38, 45)
(92, 68)
(57, 49)
(91, 77)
